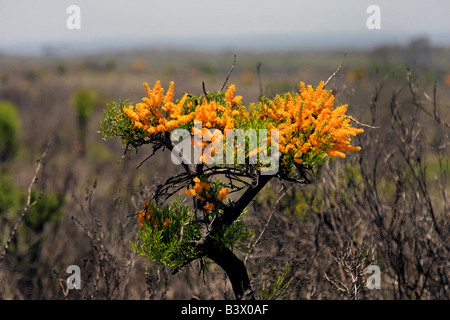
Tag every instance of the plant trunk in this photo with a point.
(224, 257)
(236, 271)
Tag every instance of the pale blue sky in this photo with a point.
(292, 23)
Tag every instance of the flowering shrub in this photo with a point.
(304, 127)
(310, 129)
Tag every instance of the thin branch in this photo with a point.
(155, 149)
(413, 90)
(255, 243)
(258, 71)
(191, 222)
(337, 70)
(125, 152)
(204, 90)
(231, 173)
(172, 185)
(198, 256)
(28, 205)
(337, 284)
(360, 123)
(436, 115)
(170, 145)
(229, 73)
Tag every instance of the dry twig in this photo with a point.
(360, 123)
(229, 73)
(337, 70)
(255, 243)
(28, 205)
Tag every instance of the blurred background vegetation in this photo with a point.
(360, 210)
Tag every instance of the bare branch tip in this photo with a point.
(229, 73)
(337, 70)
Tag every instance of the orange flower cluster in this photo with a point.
(146, 215)
(203, 191)
(221, 116)
(307, 123)
(222, 194)
(158, 113)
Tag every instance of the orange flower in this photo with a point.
(156, 110)
(222, 194)
(167, 222)
(141, 217)
(205, 185)
(160, 128)
(229, 94)
(208, 206)
(151, 130)
(169, 94)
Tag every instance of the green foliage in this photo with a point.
(168, 234)
(46, 210)
(10, 126)
(12, 200)
(84, 101)
(117, 124)
(237, 235)
(276, 285)
(10, 195)
(168, 243)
